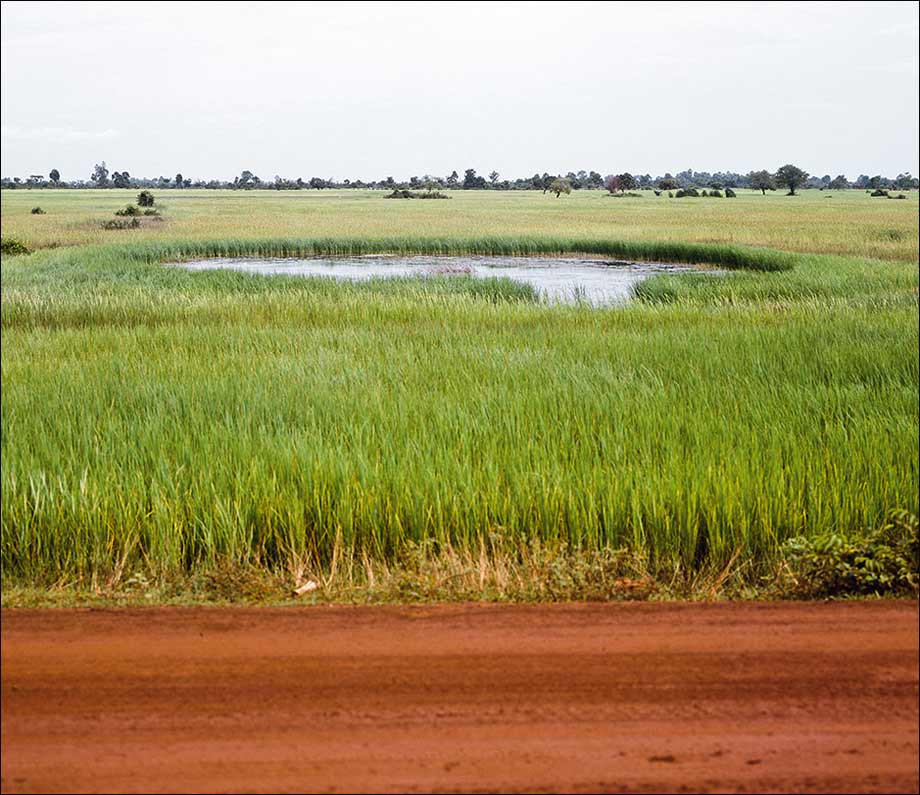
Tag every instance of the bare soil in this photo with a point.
(739, 697)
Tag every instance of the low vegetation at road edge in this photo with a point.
(881, 563)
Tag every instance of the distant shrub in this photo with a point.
(879, 192)
(10, 245)
(629, 195)
(716, 194)
(684, 192)
(884, 561)
(151, 212)
(729, 193)
(408, 194)
(134, 223)
(38, 211)
(128, 211)
(670, 195)
(899, 196)
(657, 192)
(145, 199)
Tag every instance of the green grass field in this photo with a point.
(161, 425)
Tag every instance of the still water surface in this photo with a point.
(558, 280)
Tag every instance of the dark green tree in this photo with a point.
(100, 175)
(762, 181)
(471, 181)
(791, 177)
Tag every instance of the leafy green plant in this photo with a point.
(134, 223)
(10, 245)
(129, 211)
(145, 199)
(884, 561)
(38, 211)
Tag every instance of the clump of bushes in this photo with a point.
(883, 562)
(879, 192)
(408, 194)
(134, 223)
(145, 199)
(899, 196)
(38, 211)
(714, 193)
(10, 245)
(630, 194)
(132, 212)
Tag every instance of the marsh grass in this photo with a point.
(167, 425)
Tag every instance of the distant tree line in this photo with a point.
(788, 177)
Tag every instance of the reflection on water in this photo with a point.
(558, 280)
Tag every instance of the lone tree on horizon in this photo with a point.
(762, 181)
(790, 176)
(100, 175)
(54, 176)
(560, 186)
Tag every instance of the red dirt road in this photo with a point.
(636, 697)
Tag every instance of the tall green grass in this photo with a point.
(158, 418)
(724, 255)
(164, 420)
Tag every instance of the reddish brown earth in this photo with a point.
(638, 697)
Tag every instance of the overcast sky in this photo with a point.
(368, 90)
